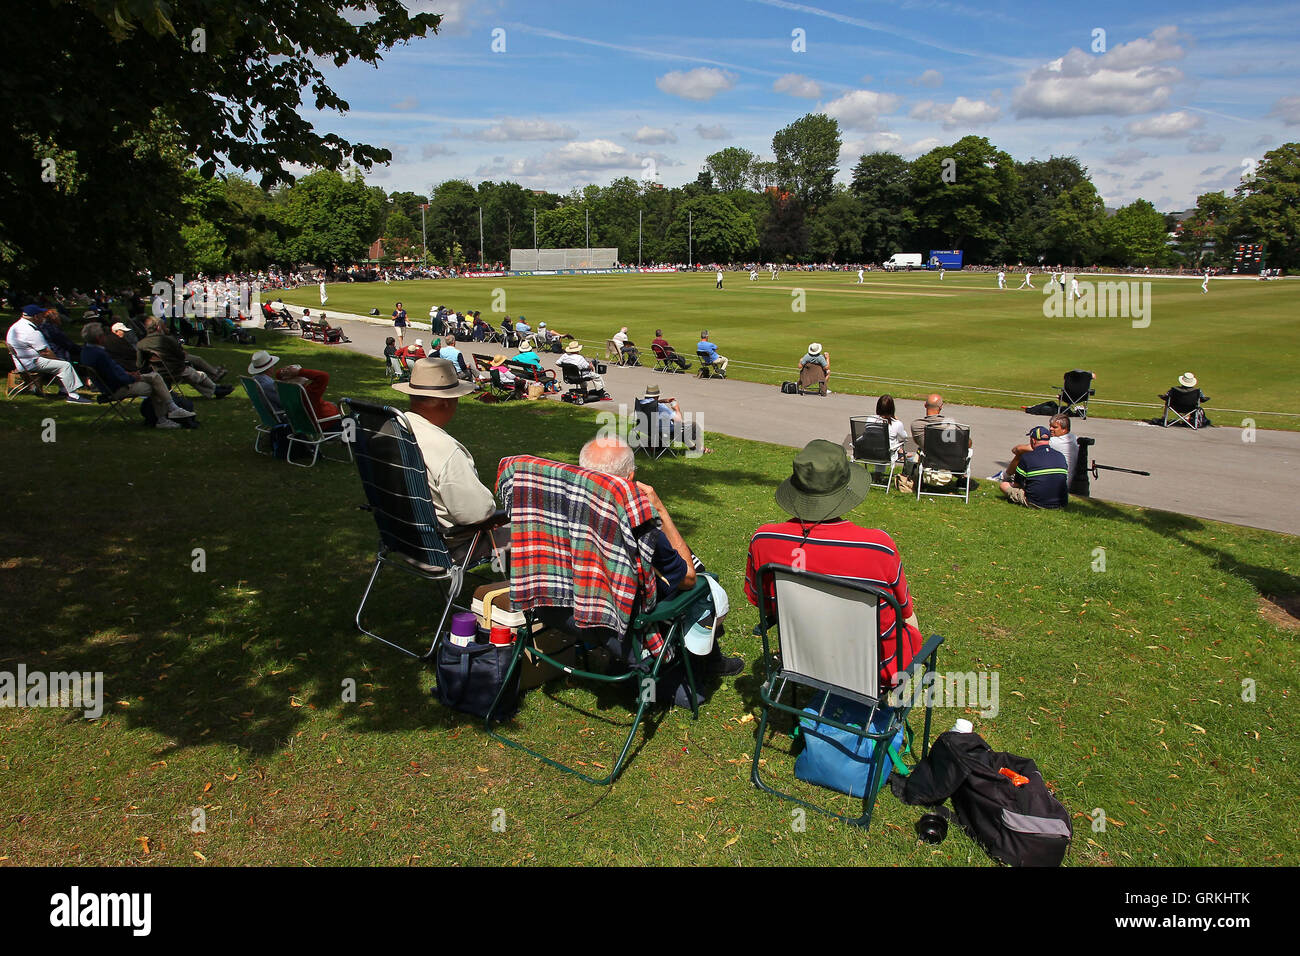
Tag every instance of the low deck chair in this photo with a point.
(267, 417)
(943, 460)
(812, 378)
(580, 560)
(870, 435)
(612, 352)
(829, 643)
(395, 371)
(1076, 389)
(307, 429)
(396, 486)
(1183, 407)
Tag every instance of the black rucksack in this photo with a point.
(151, 419)
(999, 799)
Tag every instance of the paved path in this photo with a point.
(1211, 473)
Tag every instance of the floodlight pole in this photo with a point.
(424, 238)
(480, 236)
(587, 216)
(534, 229)
(638, 238)
(690, 239)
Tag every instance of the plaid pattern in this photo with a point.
(574, 542)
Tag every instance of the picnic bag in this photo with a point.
(999, 799)
(469, 677)
(789, 388)
(841, 760)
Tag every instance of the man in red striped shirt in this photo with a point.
(823, 487)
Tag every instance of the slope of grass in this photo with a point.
(909, 333)
(224, 688)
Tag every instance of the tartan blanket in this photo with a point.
(577, 541)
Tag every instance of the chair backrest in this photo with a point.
(947, 445)
(704, 357)
(90, 374)
(1077, 384)
(660, 352)
(395, 366)
(829, 629)
(812, 374)
(1184, 399)
(396, 484)
(870, 439)
(298, 411)
(265, 412)
(647, 410)
(572, 374)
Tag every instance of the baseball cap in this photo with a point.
(119, 327)
(34, 309)
(1039, 433)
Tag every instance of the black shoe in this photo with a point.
(682, 698)
(221, 373)
(222, 391)
(714, 664)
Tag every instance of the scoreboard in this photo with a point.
(1247, 258)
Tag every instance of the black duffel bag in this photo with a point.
(469, 678)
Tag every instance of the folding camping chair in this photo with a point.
(812, 378)
(709, 369)
(396, 371)
(648, 434)
(944, 458)
(22, 380)
(1183, 407)
(501, 390)
(663, 359)
(612, 352)
(111, 404)
(396, 485)
(306, 428)
(1076, 389)
(554, 559)
(829, 636)
(268, 418)
(870, 435)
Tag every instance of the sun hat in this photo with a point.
(1039, 433)
(498, 360)
(540, 325)
(262, 362)
(434, 378)
(573, 348)
(1187, 380)
(815, 349)
(525, 346)
(419, 343)
(652, 391)
(822, 484)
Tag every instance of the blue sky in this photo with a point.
(1178, 100)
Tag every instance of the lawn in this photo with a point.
(224, 686)
(910, 333)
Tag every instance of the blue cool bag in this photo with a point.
(840, 760)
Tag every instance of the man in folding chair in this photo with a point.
(121, 384)
(1183, 403)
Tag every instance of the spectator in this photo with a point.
(671, 423)
(178, 364)
(822, 488)
(1188, 393)
(933, 414)
(390, 349)
(259, 370)
(676, 566)
(33, 354)
(626, 347)
(573, 356)
(450, 353)
(508, 378)
(413, 352)
(122, 384)
(815, 369)
(121, 344)
(480, 329)
(670, 356)
(399, 321)
(897, 430)
(545, 336)
(51, 327)
(313, 382)
(522, 328)
(710, 350)
(459, 498)
(1040, 476)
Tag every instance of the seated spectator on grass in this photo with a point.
(670, 421)
(528, 355)
(51, 327)
(815, 369)
(1060, 438)
(179, 364)
(676, 566)
(120, 345)
(390, 349)
(1040, 476)
(33, 354)
(522, 328)
(508, 378)
(459, 498)
(313, 382)
(897, 430)
(455, 356)
(1187, 393)
(333, 333)
(545, 336)
(711, 351)
(670, 356)
(626, 347)
(933, 415)
(259, 370)
(480, 328)
(822, 488)
(122, 384)
(412, 352)
(573, 356)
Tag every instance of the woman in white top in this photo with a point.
(897, 430)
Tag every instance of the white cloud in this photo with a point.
(510, 129)
(1287, 109)
(1128, 157)
(590, 154)
(961, 112)
(860, 109)
(1125, 81)
(884, 141)
(430, 150)
(716, 131)
(930, 79)
(796, 84)
(407, 104)
(1147, 177)
(701, 83)
(1205, 144)
(1164, 126)
(1212, 170)
(653, 136)
(455, 13)
(587, 160)
(1263, 142)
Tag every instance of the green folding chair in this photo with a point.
(829, 643)
(306, 429)
(668, 619)
(267, 417)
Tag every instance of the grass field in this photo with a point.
(910, 333)
(223, 687)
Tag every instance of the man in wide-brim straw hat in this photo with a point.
(573, 356)
(822, 488)
(459, 498)
(815, 369)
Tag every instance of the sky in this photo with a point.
(1159, 100)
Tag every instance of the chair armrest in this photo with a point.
(669, 608)
(496, 519)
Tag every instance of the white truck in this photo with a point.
(903, 260)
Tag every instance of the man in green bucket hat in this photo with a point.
(823, 487)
